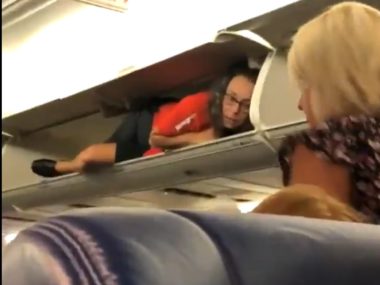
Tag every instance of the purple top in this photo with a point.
(353, 142)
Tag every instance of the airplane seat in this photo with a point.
(270, 249)
(113, 246)
(143, 246)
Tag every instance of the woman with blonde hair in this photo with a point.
(335, 62)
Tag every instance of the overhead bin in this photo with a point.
(173, 77)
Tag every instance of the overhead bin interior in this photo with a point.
(275, 102)
(174, 77)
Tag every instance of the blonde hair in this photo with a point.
(337, 54)
(308, 201)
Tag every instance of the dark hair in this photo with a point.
(218, 91)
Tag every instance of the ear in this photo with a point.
(312, 106)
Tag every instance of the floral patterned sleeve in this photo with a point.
(352, 141)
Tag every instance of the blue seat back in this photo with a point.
(114, 246)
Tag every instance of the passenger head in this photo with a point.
(232, 99)
(237, 100)
(335, 62)
(308, 201)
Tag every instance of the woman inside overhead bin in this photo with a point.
(335, 62)
(219, 112)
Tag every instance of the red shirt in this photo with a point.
(191, 114)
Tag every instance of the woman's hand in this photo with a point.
(203, 136)
(153, 137)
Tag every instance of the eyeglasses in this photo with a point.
(231, 100)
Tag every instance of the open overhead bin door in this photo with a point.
(275, 113)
